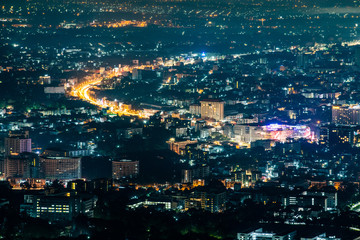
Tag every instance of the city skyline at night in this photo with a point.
(179, 119)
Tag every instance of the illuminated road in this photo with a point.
(82, 91)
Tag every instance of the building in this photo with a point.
(212, 109)
(246, 178)
(211, 197)
(24, 165)
(205, 132)
(215, 201)
(324, 136)
(322, 236)
(164, 203)
(339, 135)
(136, 74)
(101, 184)
(186, 175)
(54, 152)
(195, 109)
(196, 152)
(179, 131)
(277, 132)
(260, 234)
(17, 143)
(207, 200)
(200, 125)
(307, 201)
(125, 168)
(179, 147)
(59, 207)
(195, 173)
(330, 194)
(248, 134)
(78, 185)
(348, 115)
(61, 168)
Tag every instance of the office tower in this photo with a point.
(213, 109)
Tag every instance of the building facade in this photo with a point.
(24, 165)
(212, 109)
(17, 143)
(62, 168)
(348, 115)
(58, 207)
(125, 168)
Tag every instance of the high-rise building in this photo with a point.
(17, 143)
(213, 109)
(62, 168)
(125, 168)
(348, 115)
(24, 165)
